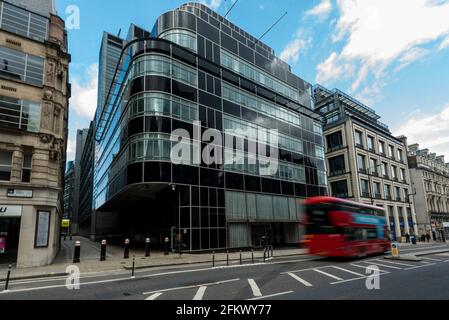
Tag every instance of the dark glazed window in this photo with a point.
(157, 172)
(155, 83)
(246, 53)
(134, 173)
(229, 43)
(135, 126)
(184, 91)
(166, 21)
(208, 31)
(210, 100)
(234, 181)
(252, 183)
(185, 20)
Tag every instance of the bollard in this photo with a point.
(134, 265)
(103, 251)
(227, 257)
(71, 236)
(166, 245)
(147, 247)
(213, 259)
(7, 277)
(65, 237)
(272, 251)
(241, 257)
(76, 256)
(264, 255)
(252, 256)
(126, 254)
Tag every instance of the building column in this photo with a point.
(406, 225)
(397, 223)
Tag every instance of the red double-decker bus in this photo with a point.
(342, 228)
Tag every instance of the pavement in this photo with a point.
(286, 278)
(90, 260)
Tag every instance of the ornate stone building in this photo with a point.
(34, 93)
(430, 179)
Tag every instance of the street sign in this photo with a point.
(65, 223)
(395, 250)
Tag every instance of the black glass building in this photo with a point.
(197, 66)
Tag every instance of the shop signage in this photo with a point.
(10, 211)
(2, 244)
(14, 193)
(446, 224)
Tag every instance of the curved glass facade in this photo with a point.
(188, 75)
(181, 37)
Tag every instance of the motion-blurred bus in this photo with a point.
(342, 228)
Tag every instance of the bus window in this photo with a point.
(372, 234)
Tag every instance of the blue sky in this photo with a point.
(392, 55)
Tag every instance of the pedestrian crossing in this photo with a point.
(294, 280)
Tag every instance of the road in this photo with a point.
(293, 278)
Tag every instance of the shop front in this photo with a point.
(10, 220)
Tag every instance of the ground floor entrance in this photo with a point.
(9, 239)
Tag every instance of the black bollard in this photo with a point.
(213, 259)
(65, 237)
(147, 247)
(241, 257)
(166, 245)
(134, 265)
(7, 277)
(71, 236)
(103, 251)
(77, 252)
(227, 257)
(126, 254)
(252, 256)
(264, 255)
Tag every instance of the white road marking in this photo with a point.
(254, 288)
(154, 296)
(426, 265)
(193, 286)
(200, 294)
(304, 282)
(368, 268)
(382, 265)
(328, 274)
(431, 259)
(349, 271)
(271, 295)
(395, 263)
(443, 254)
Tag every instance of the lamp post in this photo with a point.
(411, 211)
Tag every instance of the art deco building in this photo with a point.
(195, 65)
(34, 93)
(365, 162)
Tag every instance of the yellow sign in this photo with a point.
(395, 250)
(65, 223)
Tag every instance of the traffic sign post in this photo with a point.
(395, 250)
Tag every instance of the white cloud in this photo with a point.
(213, 4)
(330, 70)
(261, 6)
(411, 56)
(301, 41)
(84, 95)
(321, 10)
(377, 34)
(430, 130)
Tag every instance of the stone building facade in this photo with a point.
(430, 178)
(34, 93)
(365, 162)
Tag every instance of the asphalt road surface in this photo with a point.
(293, 278)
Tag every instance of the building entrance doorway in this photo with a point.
(274, 234)
(9, 239)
